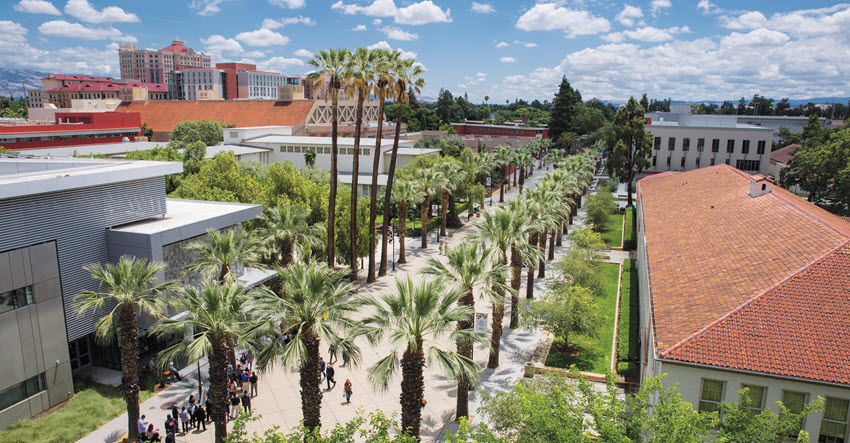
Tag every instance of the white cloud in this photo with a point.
(747, 20)
(645, 34)
(833, 20)
(658, 5)
(279, 64)
(507, 60)
(384, 45)
(502, 45)
(760, 37)
(628, 14)
(291, 4)
(37, 7)
(376, 22)
(255, 54)
(262, 37)
(113, 45)
(482, 8)
(206, 7)
(526, 44)
(707, 7)
(83, 10)
(550, 16)
(11, 33)
(359, 28)
(394, 33)
(270, 23)
(415, 14)
(61, 28)
(218, 44)
(303, 53)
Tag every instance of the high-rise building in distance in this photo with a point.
(153, 66)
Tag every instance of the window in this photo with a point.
(745, 147)
(794, 402)
(79, 352)
(760, 147)
(682, 162)
(16, 299)
(657, 143)
(671, 143)
(653, 160)
(697, 162)
(747, 165)
(686, 144)
(711, 395)
(756, 395)
(833, 427)
(727, 161)
(730, 146)
(21, 391)
(668, 162)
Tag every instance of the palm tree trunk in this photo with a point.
(373, 196)
(286, 253)
(402, 219)
(412, 390)
(130, 366)
(502, 184)
(559, 239)
(496, 335)
(516, 278)
(541, 243)
(355, 166)
(389, 190)
(529, 288)
(310, 379)
(231, 351)
(514, 174)
(334, 178)
(521, 179)
(424, 220)
(552, 245)
(465, 348)
(444, 205)
(218, 387)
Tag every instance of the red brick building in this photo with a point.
(499, 130)
(73, 128)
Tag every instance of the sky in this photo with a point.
(684, 50)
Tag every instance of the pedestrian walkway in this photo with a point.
(279, 402)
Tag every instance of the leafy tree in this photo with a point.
(407, 193)
(633, 149)
(448, 128)
(786, 137)
(599, 209)
(564, 312)
(586, 245)
(220, 179)
(126, 289)
(565, 107)
(659, 105)
(344, 234)
(374, 428)
(822, 169)
(589, 120)
(207, 131)
(147, 132)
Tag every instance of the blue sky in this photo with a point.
(687, 50)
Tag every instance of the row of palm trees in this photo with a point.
(360, 74)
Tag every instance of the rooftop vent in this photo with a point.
(760, 185)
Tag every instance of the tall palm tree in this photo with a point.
(329, 73)
(469, 267)
(413, 315)
(406, 193)
(406, 73)
(451, 175)
(130, 288)
(214, 312)
(525, 162)
(430, 181)
(520, 229)
(503, 157)
(360, 82)
(384, 61)
(538, 202)
(218, 256)
(314, 310)
(284, 231)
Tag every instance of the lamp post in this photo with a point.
(392, 233)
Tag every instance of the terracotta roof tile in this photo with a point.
(161, 116)
(712, 248)
(784, 155)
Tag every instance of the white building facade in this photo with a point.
(259, 85)
(203, 84)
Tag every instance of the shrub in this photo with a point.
(628, 332)
(627, 368)
(630, 231)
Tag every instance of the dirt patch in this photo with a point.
(569, 350)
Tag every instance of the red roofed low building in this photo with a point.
(745, 285)
(780, 159)
(61, 97)
(72, 129)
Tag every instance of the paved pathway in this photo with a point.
(278, 400)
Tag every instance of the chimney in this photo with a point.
(760, 185)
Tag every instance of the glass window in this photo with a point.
(712, 163)
(21, 391)
(657, 143)
(794, 402)
(686, 144)
(671, 143)
(745, 147)
(711, 396)
(668, 162)
(700, 144)
(756, 395)
(16, 298)
(760, 147)
(833, 427)
(730, 146)
(697, 162)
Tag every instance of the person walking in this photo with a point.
(234, 405)
(200, 418)
(184, 420)
(246, 401)
(174, 414)
(322, 368)
(332, 351)
(347, 391)
(246, 378)
(170, 424)
(254, 379)
(141, 425)
(172, 370)
(169, 437)
(250, 357)
(191, 410)
(329, 376)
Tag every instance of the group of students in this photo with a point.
(192, 415)
(327, 373)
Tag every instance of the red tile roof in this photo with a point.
(784, 155)
(712, 250)
(176, 47)
(104, 87)
(161, 116)
(80, 78)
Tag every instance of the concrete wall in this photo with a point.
(34, 339)
(660, 156)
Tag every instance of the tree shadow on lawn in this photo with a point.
(588, 360)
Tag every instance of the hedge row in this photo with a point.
(628, 335)
(629, 231)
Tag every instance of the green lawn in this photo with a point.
(93, 406)
(613, 236)
(595, 352)
(628, 336)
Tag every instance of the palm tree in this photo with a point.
(314, 310)
(406, 73)
(218, 256)
(525, 161)
(469, 267)
(520, 229)
(358, 72)
(284, 230)
(310, 157)
(430, 181)
(538, 202)
(503, 157)
(129, 288)
(406, 193)
(451, 175)
(214, 312)
(384, 61)
(416, 314)
(330, 73)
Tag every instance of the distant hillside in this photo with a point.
(15, 82)
(793, 102)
